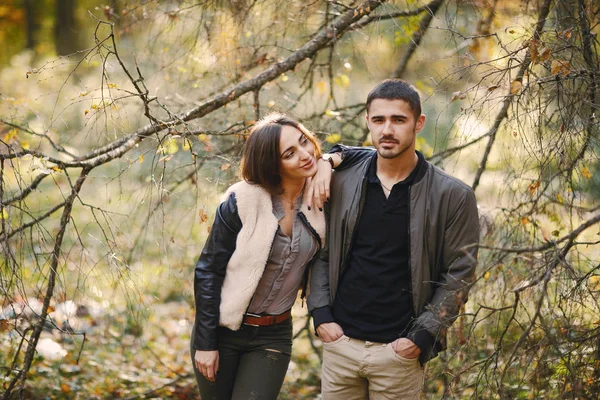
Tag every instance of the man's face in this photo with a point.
(393, 127)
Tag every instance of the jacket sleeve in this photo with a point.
(210, 273)
(459, 259)
(351, 155)
(318, 297)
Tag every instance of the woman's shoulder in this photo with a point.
(247, 192)
(250, 199)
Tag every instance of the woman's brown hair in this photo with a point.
(261, 158)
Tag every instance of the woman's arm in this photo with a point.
(342, 157)
(210, 273)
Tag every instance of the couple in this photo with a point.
(385, 284)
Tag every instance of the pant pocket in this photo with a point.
(400, 358)
(336, 341)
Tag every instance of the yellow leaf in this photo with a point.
(331, 113)
(342, 80)
(4, 214)
(187, 144)
(284, 78)
(172, 147)
(203, 137)
(486, 276)
(321, 87)
(271, 103)
(333, 138)
(225, 167)
(545, 54)
(86, 112)
(524, 220)
(515, 87)
(562, 67)
(111, 85)
(559, 198)
(83, 94)
(141, 158)
(65, 388)
(203, 216)
(424, 147)
(586, 173)
(533, 187)
(25, 145)
(10, 135)
(492, 88)
(594, 282)
(533, 50)
(500, 267)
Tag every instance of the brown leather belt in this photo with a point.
(266, 320)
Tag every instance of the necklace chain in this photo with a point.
(291, 203)
(385, 187)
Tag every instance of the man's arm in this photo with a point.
(318, 299)
(459, 259)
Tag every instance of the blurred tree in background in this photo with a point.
(122, 122)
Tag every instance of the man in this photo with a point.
(400, 256)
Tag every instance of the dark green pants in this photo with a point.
(252, 363)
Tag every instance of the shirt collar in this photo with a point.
(278, 205)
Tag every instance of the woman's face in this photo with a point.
(297, 154)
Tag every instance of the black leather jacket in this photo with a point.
(210, 273)
(211, 268)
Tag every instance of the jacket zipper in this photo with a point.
(410, 275)
(312, 260)
(361, 204)
(265, 266)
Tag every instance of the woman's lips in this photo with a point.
(308, 164)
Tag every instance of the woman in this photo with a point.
(253, 263)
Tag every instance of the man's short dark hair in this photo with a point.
(396, 89)
(261, 157)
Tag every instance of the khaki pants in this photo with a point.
(358, 370)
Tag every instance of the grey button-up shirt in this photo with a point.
(279, 284)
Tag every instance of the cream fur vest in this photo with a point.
(253, 245)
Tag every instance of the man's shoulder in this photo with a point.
(445, 181)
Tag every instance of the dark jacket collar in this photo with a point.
(415, 176)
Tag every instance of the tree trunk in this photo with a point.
(66, 34)
(32, 23)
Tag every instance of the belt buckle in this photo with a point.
(254, 316)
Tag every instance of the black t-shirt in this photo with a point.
(374, 300)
